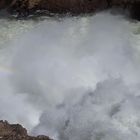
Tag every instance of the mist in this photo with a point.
(77, 78)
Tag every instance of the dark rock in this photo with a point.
(24, 8)
(16, 132)
(135, 10)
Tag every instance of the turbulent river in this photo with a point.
(72, 78)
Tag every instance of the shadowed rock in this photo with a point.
(26, 7)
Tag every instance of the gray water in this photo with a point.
(73, 78)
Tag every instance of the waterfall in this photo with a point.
(72, 78)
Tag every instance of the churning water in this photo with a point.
(72, 78)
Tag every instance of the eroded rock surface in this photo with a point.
(16, 132)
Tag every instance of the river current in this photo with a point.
(72, 78)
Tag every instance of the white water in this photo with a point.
(72, 79)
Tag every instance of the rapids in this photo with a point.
(72, 78)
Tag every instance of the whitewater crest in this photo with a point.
(80, 76)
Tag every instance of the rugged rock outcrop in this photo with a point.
(16, 132)
(26, 7)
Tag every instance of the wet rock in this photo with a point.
(24, 8)
(16, 132)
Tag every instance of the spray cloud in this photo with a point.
(82, 74)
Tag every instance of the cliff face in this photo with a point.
(25, 7)
(16, 132)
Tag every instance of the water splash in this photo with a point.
(82, 76)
